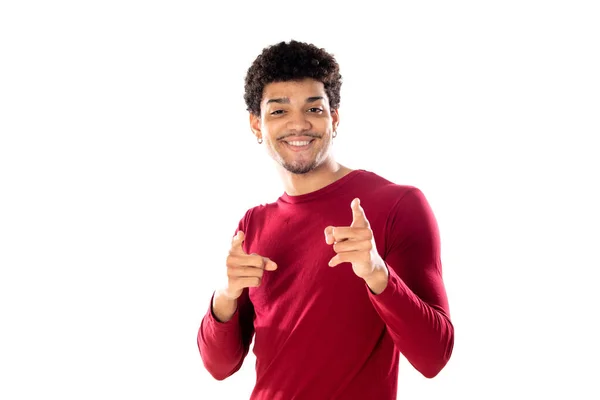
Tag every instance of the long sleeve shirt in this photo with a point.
(319, 332)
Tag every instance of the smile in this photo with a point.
(298, 145)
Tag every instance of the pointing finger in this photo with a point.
(236, 243)
(359, 219)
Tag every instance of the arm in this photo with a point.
(224, 345)
(227, 328)
(413, 303)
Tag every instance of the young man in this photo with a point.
(339, 275)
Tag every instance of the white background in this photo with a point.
(126, 161)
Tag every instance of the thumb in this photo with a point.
(359, 219)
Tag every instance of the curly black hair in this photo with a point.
(291, 62)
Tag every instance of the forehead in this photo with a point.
(294, 90)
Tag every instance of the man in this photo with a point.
(339, 275)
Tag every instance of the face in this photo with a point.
(296, 124)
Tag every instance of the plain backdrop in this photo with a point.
(126, 161)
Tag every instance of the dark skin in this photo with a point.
(297, 125)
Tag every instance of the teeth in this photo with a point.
(297, 143)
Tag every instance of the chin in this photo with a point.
(299, 169)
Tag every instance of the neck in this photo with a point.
(325, 174)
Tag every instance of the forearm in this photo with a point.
(222, 345)
(423, 333)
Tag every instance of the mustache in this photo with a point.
(309, 134)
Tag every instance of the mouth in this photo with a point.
(298, 145)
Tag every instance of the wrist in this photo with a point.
(377, 281)
(223, 306)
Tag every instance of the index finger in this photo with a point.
(236, 243)
(359, 219)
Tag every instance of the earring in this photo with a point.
(259, 140)
(334, 134)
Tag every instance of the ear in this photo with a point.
(255, 126)
(335, 118)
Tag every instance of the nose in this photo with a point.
(298, 122)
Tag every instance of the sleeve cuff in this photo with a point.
(394, 285)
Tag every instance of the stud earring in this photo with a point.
(334, 134)
(259, 140)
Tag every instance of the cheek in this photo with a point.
(271, 131)
(324, 125)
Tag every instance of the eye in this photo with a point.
(277, 112)
(315, 110)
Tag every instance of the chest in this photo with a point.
(303, 280)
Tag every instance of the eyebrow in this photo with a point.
(285, 100)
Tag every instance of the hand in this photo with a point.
(355, 244)
(244, 270)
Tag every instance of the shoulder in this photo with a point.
(386, 191)
(394, 202)
(254, 222)
(257, 215)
